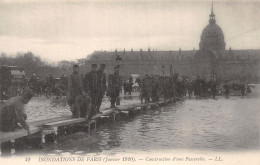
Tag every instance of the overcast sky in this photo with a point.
(69, 30)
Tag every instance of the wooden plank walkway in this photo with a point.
(45, 121)
(104, 113)
(7, 136)
(64, 122)
(42, 125)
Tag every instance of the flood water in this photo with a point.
(191, 124)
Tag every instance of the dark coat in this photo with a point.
(114, 85)
(102, 81)
(74, 87)
(12, 113)
(92, 82)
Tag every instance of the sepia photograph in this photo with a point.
(130, 82)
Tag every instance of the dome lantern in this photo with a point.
(212, 19)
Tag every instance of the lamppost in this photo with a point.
(118, 61)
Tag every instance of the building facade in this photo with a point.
(211, 61)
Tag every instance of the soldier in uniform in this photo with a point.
(114, 85)
(92, 87)
(74, 90)
(155, 89)
(102, 85)
(146, 89)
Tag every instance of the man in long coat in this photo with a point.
(74, 90)
(146, 89)
(102, 85)
(92, 88)
(114, 85)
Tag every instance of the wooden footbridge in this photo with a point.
(49, 130)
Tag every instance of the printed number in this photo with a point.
(27, 159)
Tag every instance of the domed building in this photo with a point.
(211, 61)
(212, 37)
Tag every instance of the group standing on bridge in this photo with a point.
(85, 94)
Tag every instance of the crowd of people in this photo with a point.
(49, 86)
(154, 87)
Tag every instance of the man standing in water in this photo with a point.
(13, 112)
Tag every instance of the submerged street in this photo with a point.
(190, 124)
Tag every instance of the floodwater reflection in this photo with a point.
(196, 124)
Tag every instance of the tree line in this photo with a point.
(34, 64)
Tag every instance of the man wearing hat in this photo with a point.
(75, 89)
(13, 112)
(102, 85)
(114, 85)
(92, 87)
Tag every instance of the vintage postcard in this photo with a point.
(130, 82)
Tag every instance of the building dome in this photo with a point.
(212, 37)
